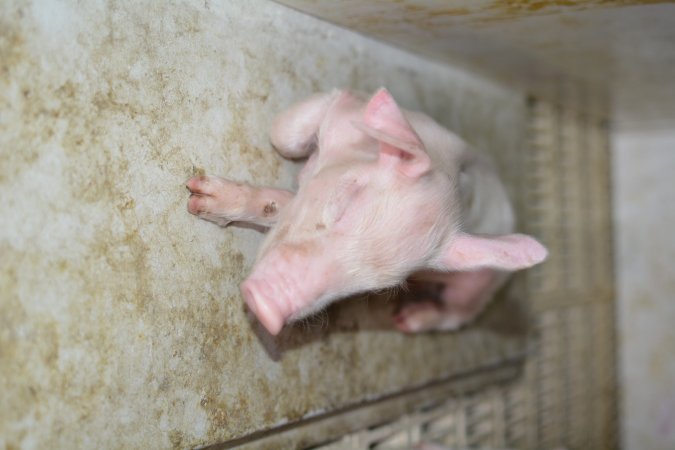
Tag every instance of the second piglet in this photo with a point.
(387, 196)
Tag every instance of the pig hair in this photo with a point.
(319, 320)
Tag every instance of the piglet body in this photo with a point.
(387, 196)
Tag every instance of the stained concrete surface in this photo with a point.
(121, 324)
(621, 53)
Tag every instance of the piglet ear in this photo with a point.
(400, 146)
(505, 252)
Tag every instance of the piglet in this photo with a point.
(386, 197)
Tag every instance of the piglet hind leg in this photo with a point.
(461, 300)
(223, 202)
(294, 132)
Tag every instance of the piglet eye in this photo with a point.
(339, 202)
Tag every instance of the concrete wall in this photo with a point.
(644, 198)
(121, 325)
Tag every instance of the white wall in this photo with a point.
(644, 187)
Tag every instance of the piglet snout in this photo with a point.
(286, 284)
(264, 302)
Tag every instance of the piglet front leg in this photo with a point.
(462, 298)
(222, 201)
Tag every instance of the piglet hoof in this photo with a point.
(427, 315)
(418, 316)
(215, 199)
